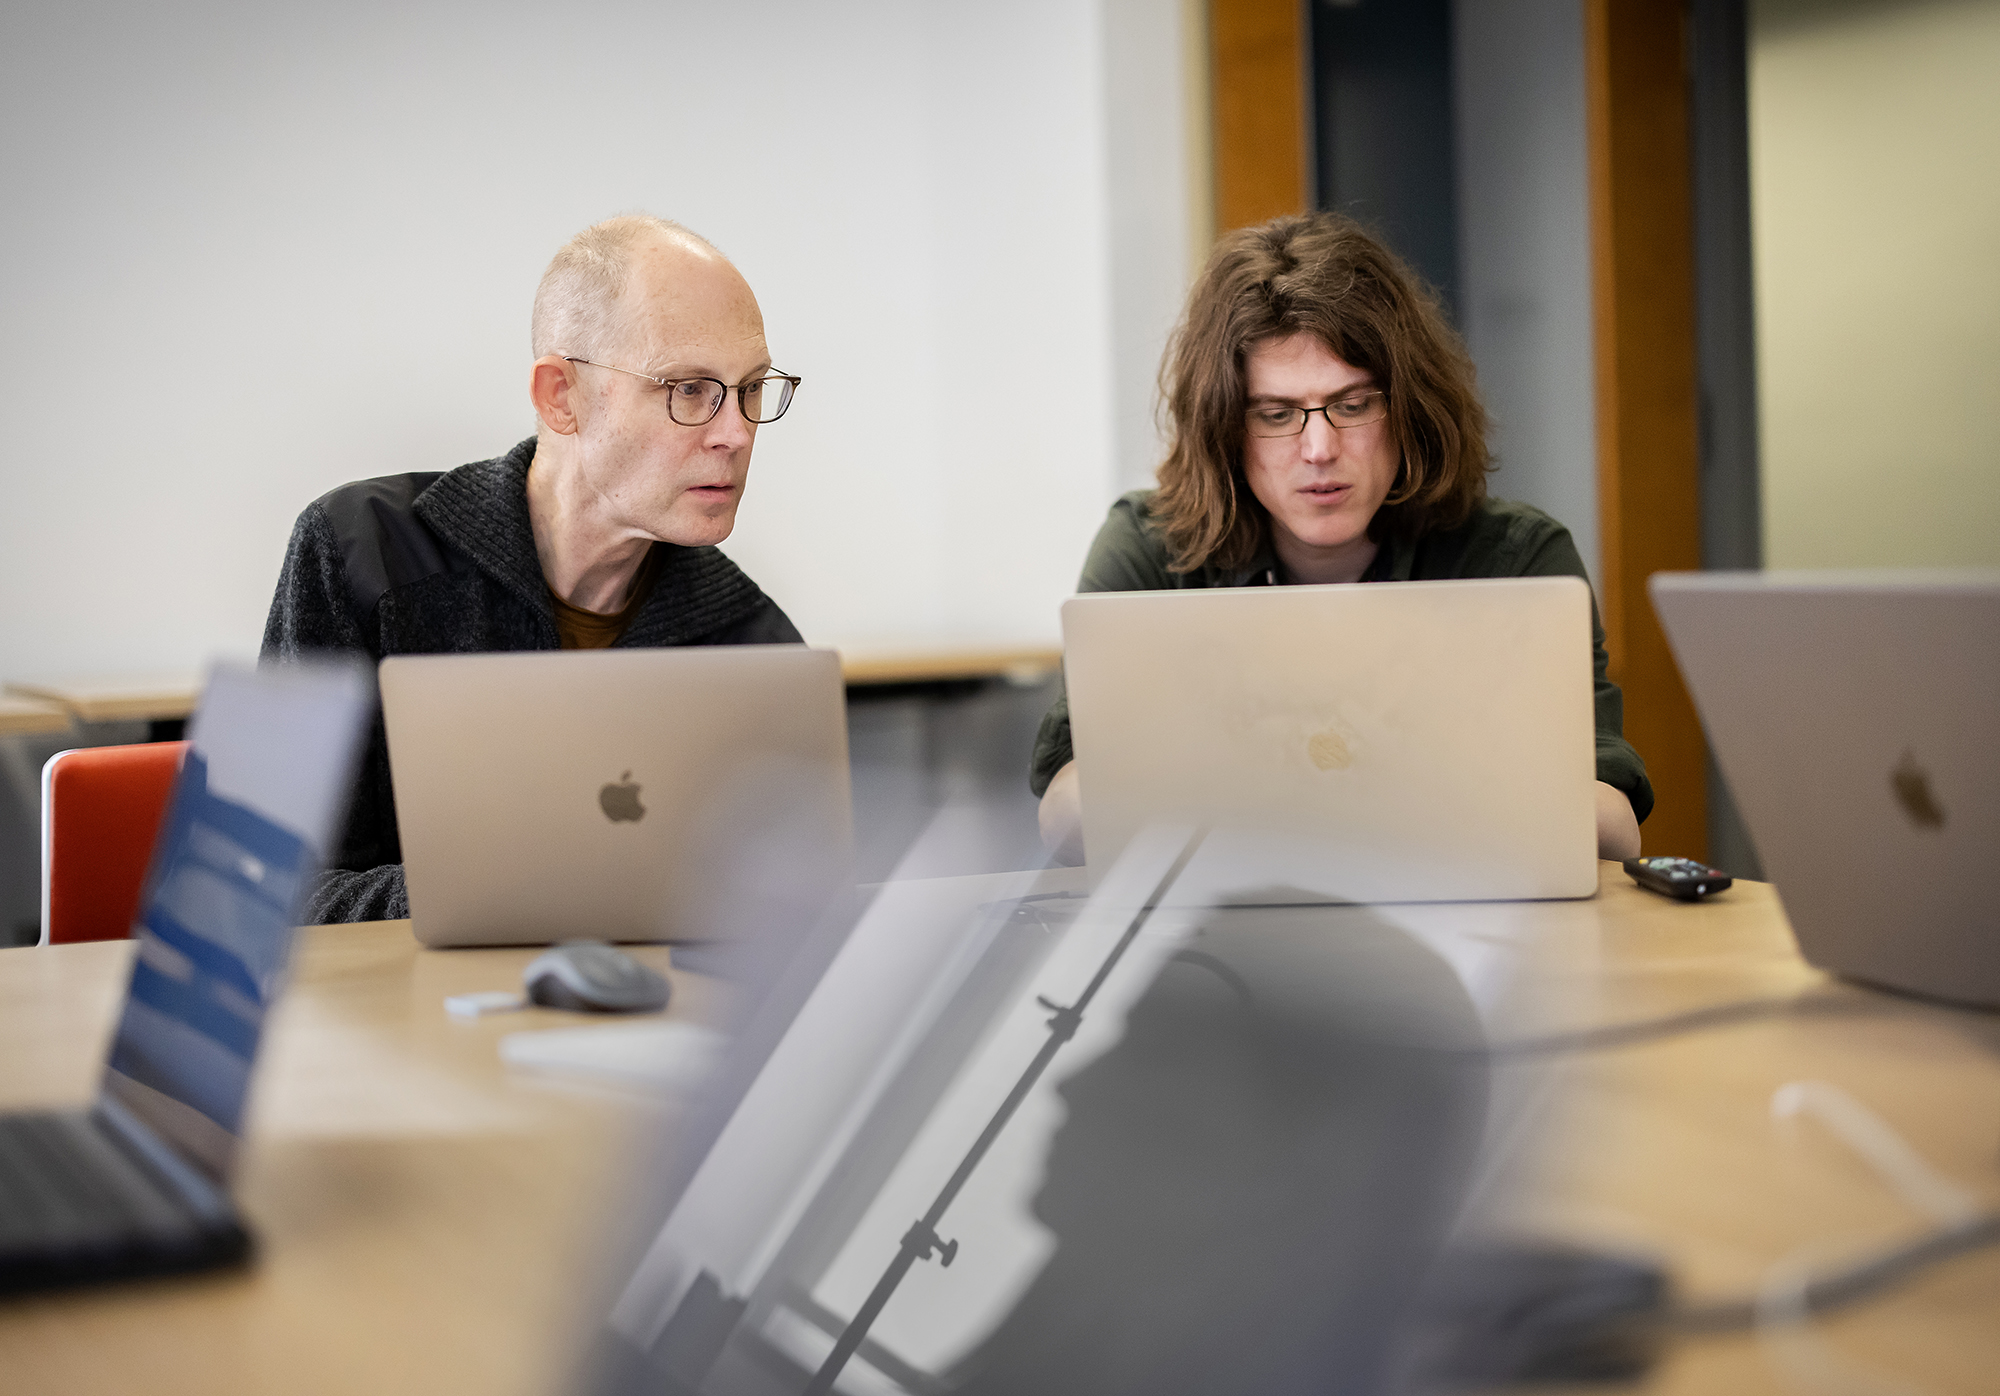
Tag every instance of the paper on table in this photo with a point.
(477, 1005)
(650, 1056)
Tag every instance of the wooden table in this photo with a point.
(428, 1222)
(1671, 1148)
(21, 717)
(117, 698)
(423, 1217)
(161, 697)
(1021, 664)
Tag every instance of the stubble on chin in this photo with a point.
(697, 524)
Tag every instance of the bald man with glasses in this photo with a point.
(651, 377)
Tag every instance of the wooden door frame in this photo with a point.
(1257, 97)
(1648, 399)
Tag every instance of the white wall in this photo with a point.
(1159, 203)
(1524, 249)
(250, 252)
(1875, 142)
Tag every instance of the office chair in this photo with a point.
(101, 809)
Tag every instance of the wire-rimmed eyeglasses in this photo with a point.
(693, 402)
(1353, 410)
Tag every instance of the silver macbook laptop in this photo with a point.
(688, 794)
(137, 1184)
(1426, 741)
(1856, 717)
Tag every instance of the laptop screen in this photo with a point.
(268, 766)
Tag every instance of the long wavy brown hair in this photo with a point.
(1328, 276)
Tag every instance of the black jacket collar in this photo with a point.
(482, 510)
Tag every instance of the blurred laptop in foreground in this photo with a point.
(697, 794)
(137, 1184)
(1049, 1144)
(1856, 717)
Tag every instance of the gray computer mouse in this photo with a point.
(592, 976)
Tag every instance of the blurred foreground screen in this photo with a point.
(1066, 1145)
(261, 789)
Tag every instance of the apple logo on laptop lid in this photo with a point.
(620, 800)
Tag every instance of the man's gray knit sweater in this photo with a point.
(445, 563)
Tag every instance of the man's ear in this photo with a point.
(551, 386)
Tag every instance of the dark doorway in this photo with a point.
(1382, 127)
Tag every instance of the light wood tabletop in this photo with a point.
(117, 697)
(164, 696)
(429, 1222)
(1021, 664)
(1670, 1148)
(26, 716)
(425, 1219)
(156, 697)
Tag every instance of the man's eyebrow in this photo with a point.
(684, 369)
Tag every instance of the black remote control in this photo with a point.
(1680, 878)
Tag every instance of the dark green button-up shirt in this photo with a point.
(1501, 539)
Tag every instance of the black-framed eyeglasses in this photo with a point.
(693, 402)
(1353, 410)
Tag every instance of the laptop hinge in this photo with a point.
(195, 1188)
